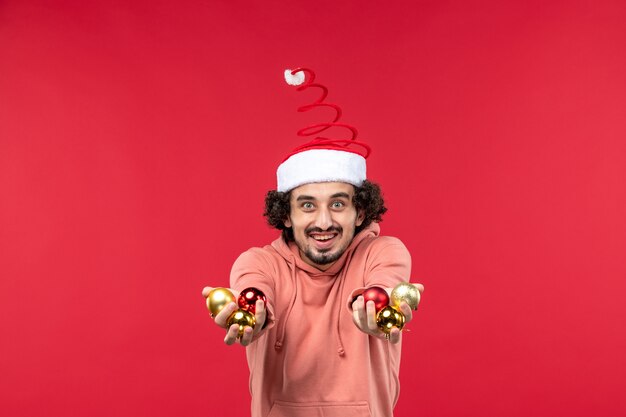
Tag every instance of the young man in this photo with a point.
(316, 349)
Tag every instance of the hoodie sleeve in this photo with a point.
(388, 264)
(253, 269)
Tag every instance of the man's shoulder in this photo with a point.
(380, 248)
(256, 252)
(380, 242)
(264, 256)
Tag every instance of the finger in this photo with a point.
(360, 312)
(406, 311)
(206, 291)
(260, 315)
(355, 318)
(222, 316)
(246, 339)
(419, 287)
(353, 305)
(370, 312)
(231, 335)
(394, 335)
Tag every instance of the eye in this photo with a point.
(307, 205)
(337, 204)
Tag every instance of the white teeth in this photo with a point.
(326, 237)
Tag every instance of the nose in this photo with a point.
(324, 219)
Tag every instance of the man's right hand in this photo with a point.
(233, 331)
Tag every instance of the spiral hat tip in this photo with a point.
(294, 79)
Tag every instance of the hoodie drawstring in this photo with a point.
(284, 250)
(280, 337)
(342, 280)
(283, 323)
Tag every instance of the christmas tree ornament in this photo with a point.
(248, 298)
(243, 319)
(388, 318)
(217, 299)
(406, 292)
(378, 295)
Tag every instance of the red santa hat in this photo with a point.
(322, 159)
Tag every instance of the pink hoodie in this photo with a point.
(311, 360)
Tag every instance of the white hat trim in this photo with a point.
(321, 165)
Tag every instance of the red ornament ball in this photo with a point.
(248, 297)
(378, 295)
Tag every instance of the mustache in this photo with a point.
(319, 230)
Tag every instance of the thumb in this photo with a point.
(206, 291)
(419, 287)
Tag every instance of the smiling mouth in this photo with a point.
(323, 241)
(324, 237)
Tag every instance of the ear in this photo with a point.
(360, 217)
(287, 222)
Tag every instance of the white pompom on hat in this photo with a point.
(322, 159)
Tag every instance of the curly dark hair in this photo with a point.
(368, 198)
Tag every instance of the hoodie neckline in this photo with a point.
(291, 254)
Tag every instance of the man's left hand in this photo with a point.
(364, 317)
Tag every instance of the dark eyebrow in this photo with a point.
(311, 198)
(304, 198)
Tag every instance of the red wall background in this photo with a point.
(137, 140)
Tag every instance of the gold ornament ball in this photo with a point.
(217, 299)
(406, 292)
(243, 319)
(388, 318)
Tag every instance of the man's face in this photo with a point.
(323, 219)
